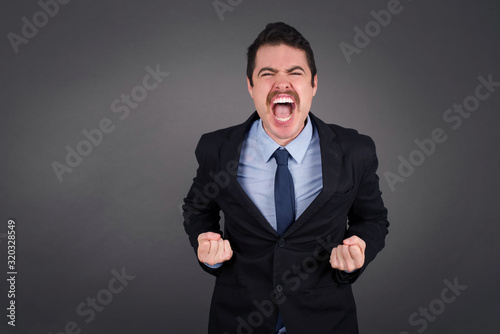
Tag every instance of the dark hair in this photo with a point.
(276, 34)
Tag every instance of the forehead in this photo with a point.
(280, 57)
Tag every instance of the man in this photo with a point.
(298, 230)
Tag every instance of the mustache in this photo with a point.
(272, 95)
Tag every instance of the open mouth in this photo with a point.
(283, 107)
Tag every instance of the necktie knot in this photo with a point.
(281, 157)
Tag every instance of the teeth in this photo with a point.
(283, 119)
(283, 100)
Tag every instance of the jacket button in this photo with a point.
(279, 288)
(281, 243)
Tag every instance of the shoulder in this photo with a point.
(218, 137)
(213, 142)
(349, 140)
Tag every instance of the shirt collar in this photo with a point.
(297, 147)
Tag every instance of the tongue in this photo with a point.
(282, 110)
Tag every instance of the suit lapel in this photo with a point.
(230, 154)
(331, 161)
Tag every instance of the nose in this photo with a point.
(281, 83)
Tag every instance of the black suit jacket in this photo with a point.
(291, 273)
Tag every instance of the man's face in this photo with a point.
(282, 90)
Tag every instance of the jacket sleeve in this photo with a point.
(200, 210)
(367, 217)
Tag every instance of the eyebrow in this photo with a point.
(295, 68)
(291, 69)
(270, 69)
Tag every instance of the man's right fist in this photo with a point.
(212, 249)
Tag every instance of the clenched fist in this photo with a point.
(212, 249)
(349, 256)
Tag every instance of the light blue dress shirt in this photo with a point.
(257, 168)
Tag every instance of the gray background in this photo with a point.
(119, 208)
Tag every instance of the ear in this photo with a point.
(250, 88)
(315, 88)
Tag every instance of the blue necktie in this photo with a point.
(284, 195)
(284, 200)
